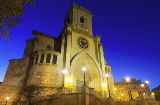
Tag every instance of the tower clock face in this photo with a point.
(82, 43)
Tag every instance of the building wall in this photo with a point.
(15, 76)
(132, 90)
(1, 84)
(42, 41)
(157, 93)
(91, 57)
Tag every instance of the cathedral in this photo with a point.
(68, 70)
(67, 63)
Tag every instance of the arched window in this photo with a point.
(48, 58)
(42, 57)
(82, 19)
(49, 47)
(54, 61)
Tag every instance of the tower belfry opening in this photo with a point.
(80, 18)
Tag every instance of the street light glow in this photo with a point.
(147, 82)
(104, 85)
(64, 71)
(68, 79)
(142, 85)
(107, 75)
(7, 98)
(127, 79)
(84, 68)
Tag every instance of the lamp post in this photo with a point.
(84, 69)
(129, 92)
(107, 75)
(63, 74)
(147, 83)
(7, 98)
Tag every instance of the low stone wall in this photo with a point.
(140, 102)
(86, 97)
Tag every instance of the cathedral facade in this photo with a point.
(66, 63)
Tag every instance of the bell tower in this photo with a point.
(80, 18)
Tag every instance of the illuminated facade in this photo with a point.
(38, 74)
(68, 70)
(131, 90)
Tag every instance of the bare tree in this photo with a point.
(10, 12)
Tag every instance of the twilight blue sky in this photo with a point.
(130, 31)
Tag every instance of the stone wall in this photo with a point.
(15, 77)
(13, 81)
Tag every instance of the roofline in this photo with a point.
(43, 34)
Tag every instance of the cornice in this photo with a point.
(43, 34)
(47, 51)
(82, 8)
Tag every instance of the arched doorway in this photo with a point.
(92, 73)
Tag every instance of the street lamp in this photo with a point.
(63, 74)
(107, 75)
(7, 98)
(147, 83)
(127, 79)
(142, 85)
(84, 69)
(129, 92)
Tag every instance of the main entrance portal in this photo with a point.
(92, 72)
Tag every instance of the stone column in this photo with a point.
(85, 95)
(102, 57)
(52, 58)
(97, 41)
(39, 57)
(45, 56)
(68, 49)
(102, 64)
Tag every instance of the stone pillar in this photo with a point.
(85, 95)
(102, 65)
(102, 57)
(62, 51)
(39, 57)
(45, 56)
(68, 49)
(62, 58)
(97, 41)
(52, 58)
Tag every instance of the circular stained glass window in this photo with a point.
(82, 43)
